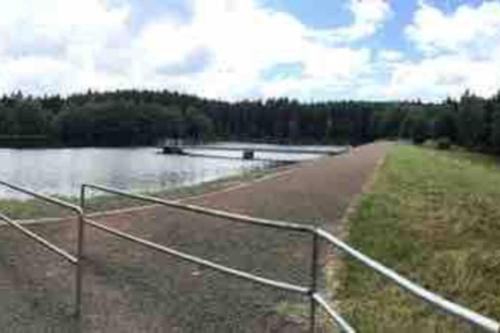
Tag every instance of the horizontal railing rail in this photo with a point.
(75, 208)
(75, 260)
(225, 215)
(200, 261)
(474, 318)
(341, 322)
(461, 312)
(54, 248)
(198, 209)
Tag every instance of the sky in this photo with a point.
(309, 50)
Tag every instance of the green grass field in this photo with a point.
(433, 216)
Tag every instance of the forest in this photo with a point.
(131, 117)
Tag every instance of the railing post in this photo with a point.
(80, 255)
(82, 198)
(314, 269)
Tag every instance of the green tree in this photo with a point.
(444, 123)
(197, 125)
(495, 124)
(470, 120)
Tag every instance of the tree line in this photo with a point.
(133, 117)
(471, 121)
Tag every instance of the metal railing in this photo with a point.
(74, 260)
(472, 317)
(315, 298)
(461, 312)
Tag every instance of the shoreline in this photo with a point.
(33, 211)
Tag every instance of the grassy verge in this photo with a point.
(433, 216)
(29, 209)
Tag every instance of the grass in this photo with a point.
(34, 208)
(433, 216)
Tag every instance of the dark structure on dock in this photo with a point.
(248, 154)
(173, 150)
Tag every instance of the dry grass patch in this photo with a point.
(435, 217)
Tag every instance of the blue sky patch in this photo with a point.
(283, 71)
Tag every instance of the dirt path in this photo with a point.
(131, 289)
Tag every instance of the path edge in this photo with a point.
(334, 263)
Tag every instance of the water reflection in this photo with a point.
(61, 171)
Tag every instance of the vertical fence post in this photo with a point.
(82, 198)
(314, 273)
(80, 248)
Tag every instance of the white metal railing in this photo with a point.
(74, 260)
(461, 312)
(311, 292)
(482, 322)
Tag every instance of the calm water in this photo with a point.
(61, 171)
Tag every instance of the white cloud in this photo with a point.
(459, 50)
(241, 37)
(446, 75)
(226, 46)
(221, 51)
(54, 46)
(244, 40)
(468, 29)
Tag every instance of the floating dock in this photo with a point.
(248, 153)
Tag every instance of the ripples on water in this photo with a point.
(61, 171)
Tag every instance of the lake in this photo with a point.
(61, 171)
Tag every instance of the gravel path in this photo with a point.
(132, 289)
